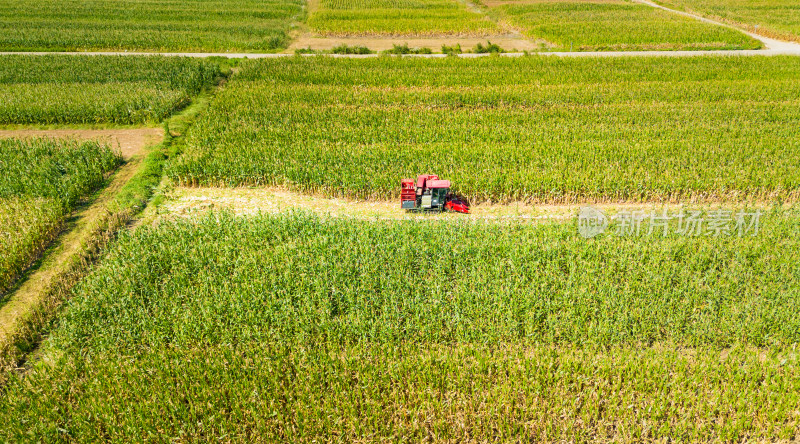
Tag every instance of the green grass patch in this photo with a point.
(118, 25)
(526, 129)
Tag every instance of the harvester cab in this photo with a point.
(429, 193)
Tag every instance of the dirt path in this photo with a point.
(786, 50)
(128, 141)
(191, 202)
(23, 302)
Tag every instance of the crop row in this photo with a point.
(41, 180)
(292, 328)
(620, 25)
(98, 90)
(190, 25)
(529, 129)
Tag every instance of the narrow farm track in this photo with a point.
(68, 247)
(186, 202)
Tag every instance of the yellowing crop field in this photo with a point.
(41, 181)
(144, 25)
(62, 89)
(390, 17)
(611, 254)
(293, 328)
(614, 25)
(772, 18)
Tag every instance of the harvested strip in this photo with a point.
(127, 141)
(191, 202)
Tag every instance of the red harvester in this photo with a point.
(429, 193)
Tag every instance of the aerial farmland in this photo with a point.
(399, 221)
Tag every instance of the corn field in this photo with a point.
(98, 90)
(41, 181)
(27, 226)
(294, 328)
(189, 25)
(392, 17)
(617, 25)
(779, 19)
(531, 129)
